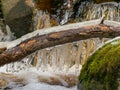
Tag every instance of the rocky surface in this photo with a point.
(102, 69)
(8, 81)
(1, 14)
(18, 15)
(100, 1)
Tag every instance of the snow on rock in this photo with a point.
(33, 79)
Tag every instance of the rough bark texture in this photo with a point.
(55, 38)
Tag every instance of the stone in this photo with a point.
(101, 1)
(1, 14)
(102, 69)
(18, 15)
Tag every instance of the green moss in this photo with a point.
(102, 68)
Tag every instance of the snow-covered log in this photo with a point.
(40, 39)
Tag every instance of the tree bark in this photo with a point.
(16, 52)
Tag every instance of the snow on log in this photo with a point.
(49, 30)
(18, 49)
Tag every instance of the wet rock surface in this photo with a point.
(8, 81)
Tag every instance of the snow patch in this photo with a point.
(42, 86)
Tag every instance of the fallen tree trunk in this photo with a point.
(20, 48)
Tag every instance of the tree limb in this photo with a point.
(20, 48)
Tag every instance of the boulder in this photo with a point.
(102, 69)
(18, 15)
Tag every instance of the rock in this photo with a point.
(66, 80)
(2, 25)
(9, 81)
(5, 33)
(44, 4)
(3, 83)
(101, 1)
(18, 15)
(1, 14)
(102, 69)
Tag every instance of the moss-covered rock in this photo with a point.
(102, 69)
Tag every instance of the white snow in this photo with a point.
(111, 23)
(32, 82)
(49, 30)
(42, 86)
(57, 29)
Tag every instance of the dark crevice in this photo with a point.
(1, 14)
